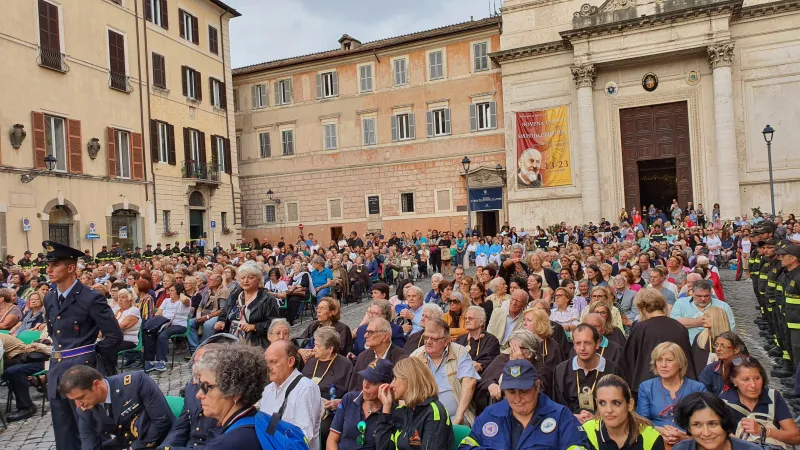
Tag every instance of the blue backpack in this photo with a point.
(273, 433)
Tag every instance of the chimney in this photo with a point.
(347, 42)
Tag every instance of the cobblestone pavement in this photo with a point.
(37, 432)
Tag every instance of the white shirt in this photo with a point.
(176, 311)
(132, 333)
(303, 407)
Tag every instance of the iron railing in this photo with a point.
(200, 170)
(120, 82)
(52, 59)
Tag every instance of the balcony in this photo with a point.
(52, 59)
(119, 82)
(201, 173)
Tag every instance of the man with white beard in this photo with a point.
(529, 164)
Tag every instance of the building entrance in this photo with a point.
(487, 222)
(656, 155)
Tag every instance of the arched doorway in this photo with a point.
(60, 224)
(197, 208)
(124, 228)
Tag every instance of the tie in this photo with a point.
(61, 300)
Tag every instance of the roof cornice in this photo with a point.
(530, 51)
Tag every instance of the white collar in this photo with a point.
(601, 365)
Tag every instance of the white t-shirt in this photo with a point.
(713, 244)
(132, 333)
(746, 246)
(176, 311)
(276, 288)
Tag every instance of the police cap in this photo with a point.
(519, 374)
(58, 252)
(378, 371)
(790, 249)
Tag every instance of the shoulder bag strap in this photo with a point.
(273, 421)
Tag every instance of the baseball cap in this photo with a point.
(518, 374)
(28, 252)
(771, 241)
(378, 371)
(790, 249)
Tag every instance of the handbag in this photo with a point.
(765, 420)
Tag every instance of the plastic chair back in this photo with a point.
(29, 336)
(175, 404)
(459, 432)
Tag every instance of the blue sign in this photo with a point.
(92, 236)
(213, 224)
(486, 199)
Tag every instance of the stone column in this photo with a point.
(590, 181)
(720, 57)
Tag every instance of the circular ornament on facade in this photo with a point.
(650, 82)
(612, 89)
(692, 78)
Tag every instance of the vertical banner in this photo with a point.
(543, 149)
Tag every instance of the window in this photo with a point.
(224, 220)
(335, 208)
(165, 221)
(259, 94)
(368, 125)
(438, 122)
(287, 142)
(483, 116)
(162, 131)
(365, 78)
(50, 37)
(269, 213)
(122, 143)
(116, 61)
(194, 146)
(442, 200)
(481, 54)
(213, 40)
(407, 202)
(399, 74)
(191, 84)
(217, 88)
(292, 213)
(156, 11)
(330, 136)
(283, 92)
(220, 156)
(327, 84)
(235, 99)
(189, 29)
(264, 144)
(159, 71)
(436, 65)
(55, 136)
(403, 127)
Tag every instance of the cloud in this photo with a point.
(277, 29)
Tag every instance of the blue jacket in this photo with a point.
(192, 429)
(398, 338)
(482, 248)
(492, 429)
(372, 268)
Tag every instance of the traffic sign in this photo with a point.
(213, 224)
(26, 224)
(92, 229)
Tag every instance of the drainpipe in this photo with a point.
(227, 123)
(141, 96)
(149, 111)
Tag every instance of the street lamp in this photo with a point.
(465, 163)
(49, 162)
(501, 172)
(768, 132)
(270, 194)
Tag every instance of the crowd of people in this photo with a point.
(570, 337)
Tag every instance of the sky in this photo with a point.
(277, 29)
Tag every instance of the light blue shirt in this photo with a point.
(69, 289)
(415, 322)
(686, 308)
(465, 370)
(510, 326)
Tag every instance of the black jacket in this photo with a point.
(427, 426)
(262, 310)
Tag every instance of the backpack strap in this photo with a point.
(243, 422)
(273, 421)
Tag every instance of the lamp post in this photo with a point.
(465, 163)
(49, 162)
(270, 194)
(768, 132)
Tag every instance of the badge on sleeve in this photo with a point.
(127, 380)
(548, 425)
(490, 429)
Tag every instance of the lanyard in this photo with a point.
(578, 381)
(469, 346)
(314, 375)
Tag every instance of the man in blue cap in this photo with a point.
(76, 314)
(526, 418)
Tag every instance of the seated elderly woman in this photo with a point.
(611, 332)
(727, 347)
(500, 296)
(715, 322)
(759, 411)
(454, 316)
(658, 396)
(250, 314)
(33, 318)
(482, 347)
(129, 318)
(278, 330)
(329, 370)
(10, 314)
(329, 314)
(537, 322)
(170, 319)
(298, 290)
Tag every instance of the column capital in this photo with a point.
(721, 54)
(584, 75)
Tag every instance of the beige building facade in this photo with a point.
(371, 137)
(79, 148)
(665, 99)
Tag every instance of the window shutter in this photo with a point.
(476, 51)
(214, 161)
(164, 15)
(159, 78)
(223, 96)
(493, 114)
(411, 128)
(171, 144)
(182, 23)
(183, 81)
(319, 86)
(264, 95)
(253, 96)
(154, 154)
(39, 140)
(111, 148)
(198, 86)
(148, 13)
(187, 146)
(74, 144)
(287, 85)
(473, 117)
(335, 76)
(447, 121)
(429, 120)
(211, 90)
(395, 135)
(365, 131)
(195, 31)
(227, 155)
(202, 138)
(137, 156)
(49, 31)
(276, 88)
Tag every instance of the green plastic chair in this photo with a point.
(29, 336)
(460, 432)
(175, 338)
(307, 305)
(44, 396)
(3, 331)
(137, 349)
(175, 404)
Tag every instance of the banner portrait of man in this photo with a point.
(543, 158)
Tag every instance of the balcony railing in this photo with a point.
(200, 171)
(120, 82)
(52, 59)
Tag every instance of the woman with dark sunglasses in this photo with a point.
(727, 345)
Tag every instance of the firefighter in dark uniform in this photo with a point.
(755, 269)
(168, 250)
(148, 253)
(657, 235)
(542, 241)
(177, 251)
(186, 250)
(76, 314)
(767, 256)
(103, 256)
(137, 253)
(26, 260)
(87, 257)
(158, 250)
(789, 256)
(246, 246)
(125, 411)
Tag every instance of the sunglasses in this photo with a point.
(205, 387)
(740, 361)
(362, 428)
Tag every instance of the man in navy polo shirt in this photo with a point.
(354, 424)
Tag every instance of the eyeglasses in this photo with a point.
(433, 339)
(721, 345)
(468, 318)
(362, 428)
(369, 333)
(204, 387)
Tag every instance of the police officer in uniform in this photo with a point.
(119, 412)
(148, 253)
(158, 250)
(526, 418)
(75, 315)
